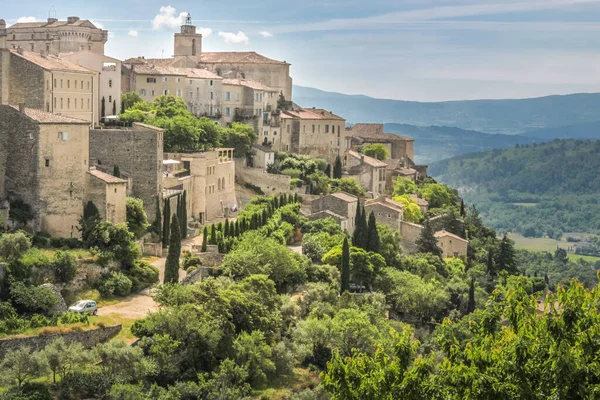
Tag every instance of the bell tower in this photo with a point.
(188, 42)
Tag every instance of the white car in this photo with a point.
(85, 306)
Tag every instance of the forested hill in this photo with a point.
(587, 130)
(533, 189)
(434, 143)
(510, 116)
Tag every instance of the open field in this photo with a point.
(550, 245)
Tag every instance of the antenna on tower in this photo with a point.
(50, 11)
(188, 20)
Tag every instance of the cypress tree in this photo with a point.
(265, 216)
(337, 168)
(213, 234)
(275, 203)
(116, 171)
(282, 200)
(122, 107)
(546, 279)
(364, 229)
(356, 235)
(226, 228)
(103, 108)
(507, 258)
(290, 199)
(237, 229)
(166, 222)
(172, 263)
(345, 278)
(490, 262)
(463, 213)
(184, 218)
(114, 107)
(373, 242)
(427, 243)
(471, 302)
(158, 219)
(204, 239)
(328, 170)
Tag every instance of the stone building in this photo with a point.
(188, 53)
(248, 102)
(199, 88)
(386, 212)
(138, 152)
(108, 193)
(48, 83)
(208, 178)
(44, 163)
(55, 37)
(452, 245)
(262, 156)
(368, 171)
(339, 206)
(310, 131)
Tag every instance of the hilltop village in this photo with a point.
(62, 137)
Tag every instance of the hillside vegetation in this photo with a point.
(510, 116)
(540, 189)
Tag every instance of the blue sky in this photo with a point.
(425, 50)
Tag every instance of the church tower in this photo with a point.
(188, 42)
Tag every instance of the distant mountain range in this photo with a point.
(510, 116)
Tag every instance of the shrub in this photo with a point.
(115, 284)
(65, 267)
(296, 183)
(13, 245)
(292, 172)
(66, 243)
(32, 298)
(142, 275)
(190, 261)
(69, 318)
(41, 240)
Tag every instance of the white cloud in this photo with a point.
(27, 19)
(234, 38)
(97, 24)
(132, 33)
(167, 18)
(266, 34)
(204, 31)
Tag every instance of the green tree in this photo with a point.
(345, 281)
(184, 217)
(411, 210)
(240, 137)
(471, 301)
(506, 259)
(137, 221)
(439, 196)
(172, 262)
(166, 228)
(389, 248)
(14, 245)
(22, 365)
(373, 243)
(64, 359)
(103, 107)
(375, 150)
(337, 168)
(116, 171)
(89, 220)
(404, 186)
(64, 266)
(427, 242)
(114, 110)
(157, 224)
(20, 212)
(213, 234)
(348, 185)
(253, 353)
(129, 99)
(204, 239)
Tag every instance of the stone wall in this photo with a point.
(152, 249)
(26, 83)
(270, 184)
(410, 234)
(138, 151)
(88, 338)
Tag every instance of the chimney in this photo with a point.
(52, 20)
(43, 53)
(22, 107)
(72, 20)
(20, 50)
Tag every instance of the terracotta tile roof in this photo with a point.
(373, 162)
(249, 84)
(444, 233)
(385, 202)
(249, 57)
(149, 68)
(44, 117)
(348, 198)
(51, 62)
(369, 132)
(105, 177)
(310, 114)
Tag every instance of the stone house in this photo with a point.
(422, 203)
(339, 206)
(386, 212)
(188, 53)
(249, 102)
(55, 37)
(44, 162)
(368, 171)
(108, 193)
(209, 179)
(451, 244)
(138, 152)
(262, 156)
(48, 83)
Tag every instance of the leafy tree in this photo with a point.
(561, 255)
(506, 256)
(114, 242)
(172, 263)
(254, 354)
(411, 210)
(137, 221)
(89, 220)
(204, 239)
(14, 245)
(427, 243)
(129, 99)
(404, 186)
(389, 247)
(345, 267)
(119, 361)
(463, 213)
(64, 266)
(20, 212)
(240, 137)
(32, 298)
(439, 196)
(64, 359)
(375, 150)
(22, 365)
(373, 243)
(337, 168)
(348, 185)
(116, 171)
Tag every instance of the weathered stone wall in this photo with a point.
(269, 183)
(385, 215)
(26, 83)
(410, 234)
(88, 338)
(452, 247)
(138, 151)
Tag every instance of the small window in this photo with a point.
(47, 161)
(227, 111)
(151, 80)
(211, 82)
(227, 96)
(68, 84)
(110, 99)
(110, 83)
(177, 80)
(142, 92)
(75, 84)
(152, 93)
(115, 190)
(55, 82)
(212, 95)
(179, 92)
(164, 78)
